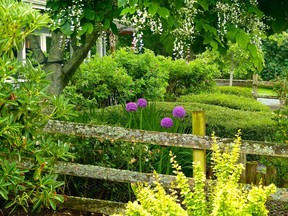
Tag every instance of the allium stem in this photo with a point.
(140, 150)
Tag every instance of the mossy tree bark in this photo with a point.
(59, 69)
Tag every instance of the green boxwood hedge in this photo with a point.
(224, 121)
(229, 101)
(233, 90)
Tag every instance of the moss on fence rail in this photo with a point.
(92, 205)
(161, 138)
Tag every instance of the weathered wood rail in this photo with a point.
(237, 82)
(142, 137)
(161, 138)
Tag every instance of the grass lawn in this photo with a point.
(264, 91)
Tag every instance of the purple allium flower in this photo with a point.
(179, 112)
(166, 122)
(141, 102)
(131, 107)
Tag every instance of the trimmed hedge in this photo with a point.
(223, 121)
(233, 90)
(229, 101)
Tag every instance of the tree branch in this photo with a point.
(79, 55)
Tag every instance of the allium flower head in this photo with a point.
(179, 112)
(166, 122)
(141, 102)
(131, 107)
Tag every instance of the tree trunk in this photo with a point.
(59, 70)
(231, 78)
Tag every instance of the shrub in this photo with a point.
(233, 90)
(99, 82)
(192, 77)
(229, 101)
(226, 196)
(149, 77)
(24, 110)
(275, 55)
(226, 122)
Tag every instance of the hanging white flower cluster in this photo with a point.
(138, 22)
(185, 34)
(235, 13)
(228, 14)
(69, 16)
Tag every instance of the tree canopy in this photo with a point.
(186, 26)
(192, 25)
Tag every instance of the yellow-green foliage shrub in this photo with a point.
(226, 196)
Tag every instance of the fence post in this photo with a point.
(199, 128)
(255, 86)
(251, 172)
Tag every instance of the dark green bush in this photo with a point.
(146, 71)
(233, 90)
(125, 76)
(99, 82)
(229, 101)
(276, 56)
(193, 77)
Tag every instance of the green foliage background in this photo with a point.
(276, 56)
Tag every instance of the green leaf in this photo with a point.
(209, 28)
(207, 38)
(90, 27)
(89, 14)
(36, 205)
(163, 12)
(83, 30)
(171, 21)
(255, 10)
(214, 45)
(130, 10)
(66, 28)
(4, 194)
(152, 9)
(256, 56)
(242, 38)
(253, 50)
(133, 2)
(10, 204)
(121, 3)
(59, 198)
(52, 204)
(231, 34)
(106, 23)
(146, 3)
(203, 4)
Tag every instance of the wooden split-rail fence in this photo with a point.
(254, 83)
(197, 141)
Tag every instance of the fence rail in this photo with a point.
(143, 137)
(162, 138)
